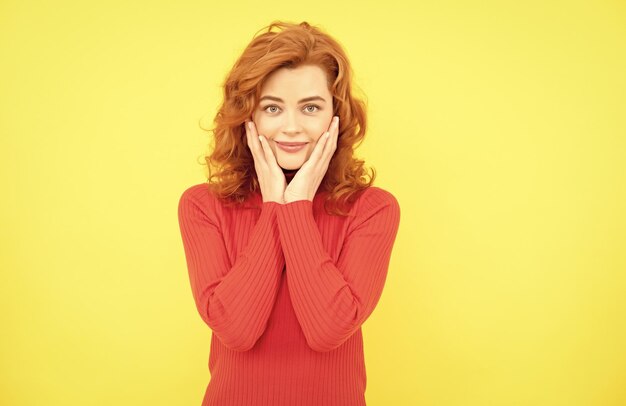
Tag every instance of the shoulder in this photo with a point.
(376, 206)
(375, 198)
(197, 193)
(377, 210)
(201, 198)
(197, 198)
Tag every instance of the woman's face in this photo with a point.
(295, 106)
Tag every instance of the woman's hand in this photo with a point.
(270, 175)
(305, 182)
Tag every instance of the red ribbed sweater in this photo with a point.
(285, 289)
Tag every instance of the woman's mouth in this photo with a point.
(291, 146)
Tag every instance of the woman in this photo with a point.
(287, 248)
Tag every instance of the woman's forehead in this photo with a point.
(295, 83)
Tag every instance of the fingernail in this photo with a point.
(261, 138)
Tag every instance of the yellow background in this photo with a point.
(499, 126)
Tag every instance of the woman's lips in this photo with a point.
(291, 146)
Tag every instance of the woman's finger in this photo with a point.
(331, 143)
(270, 159)
(257, 161)
(324, 148)
(254, 143)
(316, 155)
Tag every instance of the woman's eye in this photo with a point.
(312, 105)
(311, 108)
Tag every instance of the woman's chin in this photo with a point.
(290, 166)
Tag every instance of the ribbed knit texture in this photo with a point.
(285, 289)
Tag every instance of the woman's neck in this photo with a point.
(289, 173)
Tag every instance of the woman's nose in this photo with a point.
(291, 124)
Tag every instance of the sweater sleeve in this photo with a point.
(331, 301)
(234, 300)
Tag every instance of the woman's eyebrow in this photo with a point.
(300, 101)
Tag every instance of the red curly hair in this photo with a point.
(234, 178)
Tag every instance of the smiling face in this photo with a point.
(295, 106)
